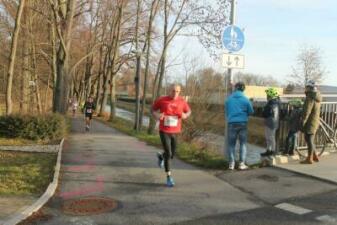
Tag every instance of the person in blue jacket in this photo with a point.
(237, 109)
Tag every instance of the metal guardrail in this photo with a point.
(328, 114)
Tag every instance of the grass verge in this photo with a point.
(22, 142)
(25, 173)
(188, 152)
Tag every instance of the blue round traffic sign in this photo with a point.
(233, 38)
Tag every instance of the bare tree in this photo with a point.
(148, 45)
(64, 12)
(9, 103)
(179, 12)
(255, 79)
(210, 20)
(309, 66)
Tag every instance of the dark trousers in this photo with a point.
(169, 142)
(310, 140)
(291, 142)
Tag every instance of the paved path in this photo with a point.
(107, 163)
(10, 205)
(326, 169)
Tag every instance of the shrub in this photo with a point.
(48, 127)
(10, 126)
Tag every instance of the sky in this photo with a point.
(275, 30)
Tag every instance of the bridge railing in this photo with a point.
(328, 114)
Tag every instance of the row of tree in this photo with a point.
(56, 49)
(53, 50)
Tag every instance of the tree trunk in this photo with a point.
(105, 94)
(105, 83)
(147, 64)
(87, 79)
(162, 65)
(25, 76)
(9, 103)
(113, 97)
(59, 88)
(64, 34)
(54, 62)
(45, 108)
(98, 92)
(138, 66)
(100, 75)
(36, 81)
(34, 67)
(115, 57)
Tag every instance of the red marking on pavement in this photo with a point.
(83, 168)
(65, 145)
(88, 165)
(97, 187)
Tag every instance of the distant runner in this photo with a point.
(74, 105)
(170, 110)
(89, 108)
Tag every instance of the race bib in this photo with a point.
(89, 110)
(171, 121)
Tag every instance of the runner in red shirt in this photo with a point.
(170, 111)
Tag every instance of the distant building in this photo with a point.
(252, 92)
(259, 91)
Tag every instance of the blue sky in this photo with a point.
(275, 30)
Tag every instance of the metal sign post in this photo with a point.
(229, 71)
(232, 40)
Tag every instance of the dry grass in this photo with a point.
(19, 142)
(25, 173)
(256, 131)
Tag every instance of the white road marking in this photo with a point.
(293, 208)
(326, 218)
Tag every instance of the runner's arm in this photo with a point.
(186, 112)
(157, 115)
(186, 115)
(155, 110)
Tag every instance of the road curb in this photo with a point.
(20, 216)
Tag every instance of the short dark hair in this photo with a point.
(240, 86)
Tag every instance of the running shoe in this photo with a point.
(170, 182)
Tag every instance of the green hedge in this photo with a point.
(43, 127)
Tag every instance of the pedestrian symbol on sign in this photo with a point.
(233, 38)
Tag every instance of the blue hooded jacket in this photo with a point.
(238, 107)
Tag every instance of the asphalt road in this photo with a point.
(105, 163)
